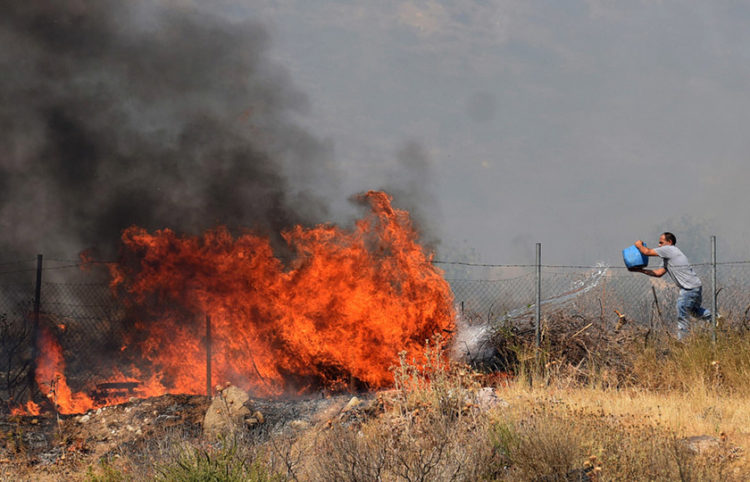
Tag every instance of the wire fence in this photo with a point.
(89, 319)
(508, 292)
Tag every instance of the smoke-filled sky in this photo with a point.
(583, 125)
(148, 113)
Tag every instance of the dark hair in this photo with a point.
(670, 237)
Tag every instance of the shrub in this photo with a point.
(429, 430)
(106, 473)
(224, 463)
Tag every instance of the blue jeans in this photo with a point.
(689, 306)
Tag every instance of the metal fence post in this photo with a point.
(538, 313)
(35, 328)
(713, 288)
(208, 356)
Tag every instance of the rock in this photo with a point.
(299, 425)
(234, 397)
(227, 412)
(353, 403)
(259, 416)
(700, 443)
(255, 419)
(486, 399)
(84, 418)
(166, 418)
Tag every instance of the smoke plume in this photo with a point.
(143, 113)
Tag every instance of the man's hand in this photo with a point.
(638, 269)
(644, 250)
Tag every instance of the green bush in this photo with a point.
(222, 464)
(106, 473)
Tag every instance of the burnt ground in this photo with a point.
(56, 447)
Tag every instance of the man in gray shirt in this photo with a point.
(679, 269)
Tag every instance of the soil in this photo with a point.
(51, 446)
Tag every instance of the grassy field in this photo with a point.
(631, 405)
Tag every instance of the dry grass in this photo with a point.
(625, 401)
(578, 352)
(602, 425)
(429, 429)
(593, 405)
(629, 435)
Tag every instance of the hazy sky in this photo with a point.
(583, 125)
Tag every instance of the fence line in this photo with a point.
(438, 262)
(92, 323)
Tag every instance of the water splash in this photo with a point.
(472, 342)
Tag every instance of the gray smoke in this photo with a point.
(118, 113)
(409, 181)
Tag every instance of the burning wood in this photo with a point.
(110, 390)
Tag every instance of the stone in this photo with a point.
(486, 399)
(700, 443)
(227, 412)
(259, 416)
(252, 422)
(299, 424)
(353, 403)
(234, 397)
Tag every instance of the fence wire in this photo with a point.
(88, 320)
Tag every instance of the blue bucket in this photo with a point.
(633, 258)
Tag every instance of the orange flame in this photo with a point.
(50, 376)
(30, 408)
(339, 313)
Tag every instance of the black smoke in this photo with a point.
(115, 113)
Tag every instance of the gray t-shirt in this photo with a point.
(678, 267)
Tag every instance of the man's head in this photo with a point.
(667, 239)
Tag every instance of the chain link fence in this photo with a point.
(88, 320)
(76, 305)
(507, 293)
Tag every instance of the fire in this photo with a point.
(30, 408)
(50, 376)
(339, 313)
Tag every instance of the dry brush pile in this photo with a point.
(623, 354)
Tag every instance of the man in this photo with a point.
(679, 269)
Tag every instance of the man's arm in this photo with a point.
(656, 273)
(644, 250)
